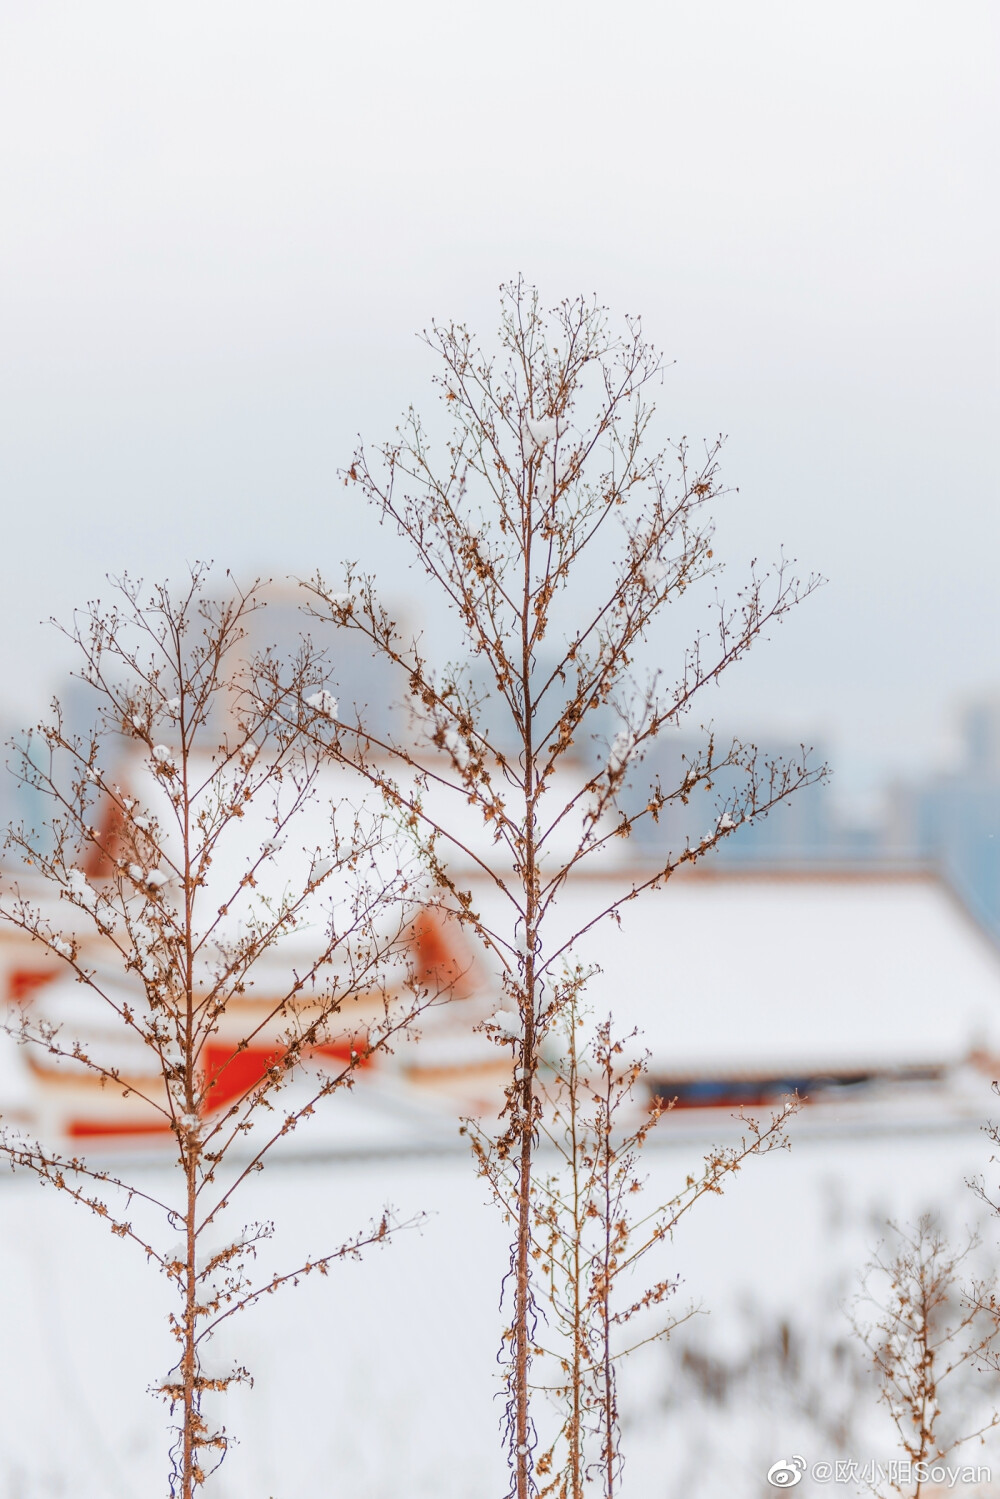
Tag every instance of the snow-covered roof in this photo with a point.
(750, 973)
(735, 975)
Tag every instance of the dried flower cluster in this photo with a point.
(931, 1336)
(157, 885)
(557, 539)
(592, 1230)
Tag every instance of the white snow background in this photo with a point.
(380, 1379)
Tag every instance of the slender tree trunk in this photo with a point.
(609, 1411)
(522, 1348)
(522, 1307)
(191, 1141)
(522, 1310)
(188, 1358)
(576, 1414)
(608, 1373)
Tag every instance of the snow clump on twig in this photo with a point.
(324, 702)
(508, 1023)
(540, 431)
(80, 889)
(620, 753)
(457, 748)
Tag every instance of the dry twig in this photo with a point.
(156, 884)
(556, 537)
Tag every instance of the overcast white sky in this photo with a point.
(223, 222)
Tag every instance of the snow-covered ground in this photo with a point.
(379, 1381)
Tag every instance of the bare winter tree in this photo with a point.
(558, 539)
(592, 1231)
(221, 972)
(930, 1333)
(906, 1364)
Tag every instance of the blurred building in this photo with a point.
(948, 823)
(952, 821)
